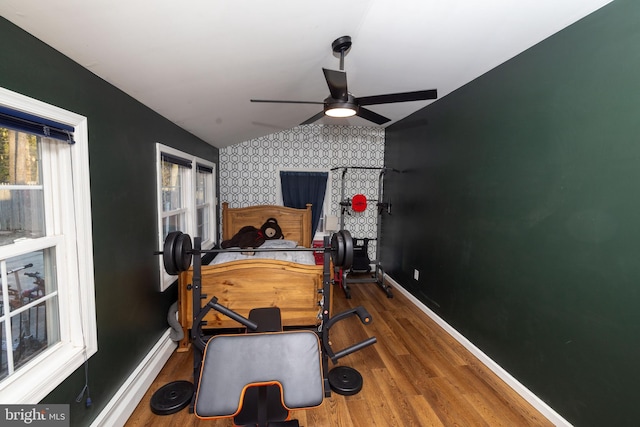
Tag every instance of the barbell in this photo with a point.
(178, 250)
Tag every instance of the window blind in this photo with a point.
(203, 168)
(176, 160)
(25, 122)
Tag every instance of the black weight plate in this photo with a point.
(171, 398)
(337, 248)
(345, 380)
(182, 253)
(347, 262)
(168, 253)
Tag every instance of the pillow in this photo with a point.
(279, 244)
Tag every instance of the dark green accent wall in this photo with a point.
(519, 205)
(131, 312)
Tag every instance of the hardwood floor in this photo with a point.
(415, 375)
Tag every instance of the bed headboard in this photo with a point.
(295, 223)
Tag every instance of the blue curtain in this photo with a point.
(300, 188)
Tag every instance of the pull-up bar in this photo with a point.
(384, 168)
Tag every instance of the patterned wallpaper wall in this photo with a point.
(249, 171)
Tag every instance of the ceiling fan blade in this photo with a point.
(420, 95)
(313, 119)
(371, 116)
(337, 81)
(281, 101)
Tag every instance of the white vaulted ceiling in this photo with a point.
(199, 62)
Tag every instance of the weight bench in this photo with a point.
(235, 365)
(258, 377)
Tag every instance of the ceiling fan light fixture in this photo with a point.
(340, 112)
(340, 109)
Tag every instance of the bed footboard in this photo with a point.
(244, 285)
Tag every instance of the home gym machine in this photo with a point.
(361, 245)
(257, 377)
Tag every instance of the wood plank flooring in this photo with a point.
(415, 375)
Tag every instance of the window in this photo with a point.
(186, 195)
(301, 186)
(204, 204)
(47, 306)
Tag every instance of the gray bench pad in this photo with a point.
(234, 362)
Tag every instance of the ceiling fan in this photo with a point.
(341, 103)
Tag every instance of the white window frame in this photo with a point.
(71, 230)
(190, 204)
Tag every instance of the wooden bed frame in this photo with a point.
(246, 284)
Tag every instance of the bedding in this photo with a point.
(299, 257)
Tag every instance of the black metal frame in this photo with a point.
(378, 274)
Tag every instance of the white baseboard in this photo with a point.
(524, 392)
(124, 402)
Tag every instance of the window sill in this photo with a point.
(43, 374)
